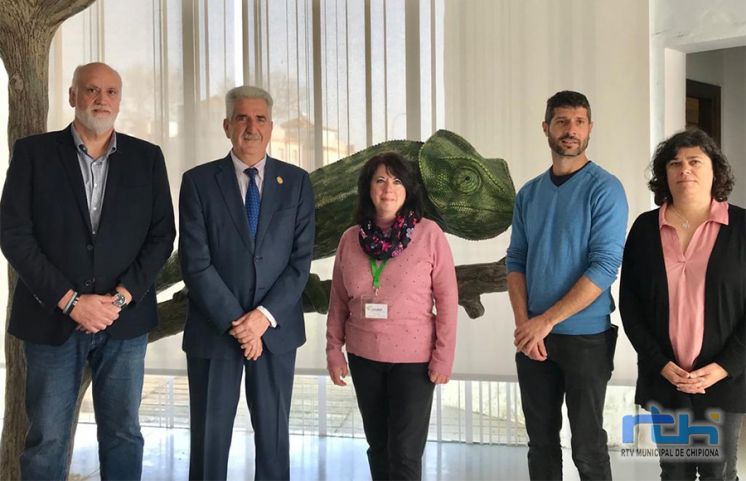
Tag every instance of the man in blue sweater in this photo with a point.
(565, 250)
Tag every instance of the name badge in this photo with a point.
(376, 310)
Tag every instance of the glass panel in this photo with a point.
(291, 80)
(396, 79)
(218, 72)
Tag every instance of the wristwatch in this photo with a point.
(119, 300)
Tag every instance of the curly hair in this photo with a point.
(400, 168)
(723, 180)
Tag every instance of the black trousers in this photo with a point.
(577, 370)
(395, 400)
(718, 469)
(731, 434)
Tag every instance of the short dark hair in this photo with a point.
(566, 98)
(722, 181)
(397, 166)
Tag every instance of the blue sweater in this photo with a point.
(562, 233)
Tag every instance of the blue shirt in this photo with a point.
(561, 233)
(94, 172)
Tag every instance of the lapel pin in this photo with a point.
(279, 180)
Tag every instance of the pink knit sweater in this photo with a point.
(423, 275)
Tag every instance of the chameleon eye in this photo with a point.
(467, 180)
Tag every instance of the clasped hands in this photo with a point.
(248, 331)
(695, 382)
(338, 373)
(529, 337)
(95, 312)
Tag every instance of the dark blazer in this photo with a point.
(643, 303)
(227, 273)
(45, 233)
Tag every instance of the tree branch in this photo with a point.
(473, 281)
(57, 12)
(477, 279)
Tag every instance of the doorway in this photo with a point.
(703, 107)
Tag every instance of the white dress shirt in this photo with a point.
(243, 186)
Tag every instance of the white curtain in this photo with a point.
(344, 74)
(348, 74)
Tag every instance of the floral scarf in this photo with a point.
(380, 246)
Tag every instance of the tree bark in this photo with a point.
(477, 279)
(26, 32)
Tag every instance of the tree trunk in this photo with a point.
(26, 31)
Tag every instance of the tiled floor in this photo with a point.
(337, 459)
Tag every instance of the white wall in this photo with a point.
(727, 69)
(706, 66)
(686, 26)
(734, 118)
(503, 59)
(674, 93)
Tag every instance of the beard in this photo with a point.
(98, 125)
(556, 145)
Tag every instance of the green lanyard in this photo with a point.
(376, 271)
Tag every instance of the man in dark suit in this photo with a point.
(87, 222)
(247, 235)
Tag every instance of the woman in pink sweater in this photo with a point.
(389, 272)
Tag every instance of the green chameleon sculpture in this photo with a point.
(468, 195)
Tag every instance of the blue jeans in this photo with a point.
(53, 376)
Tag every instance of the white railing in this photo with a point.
(466, 411)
